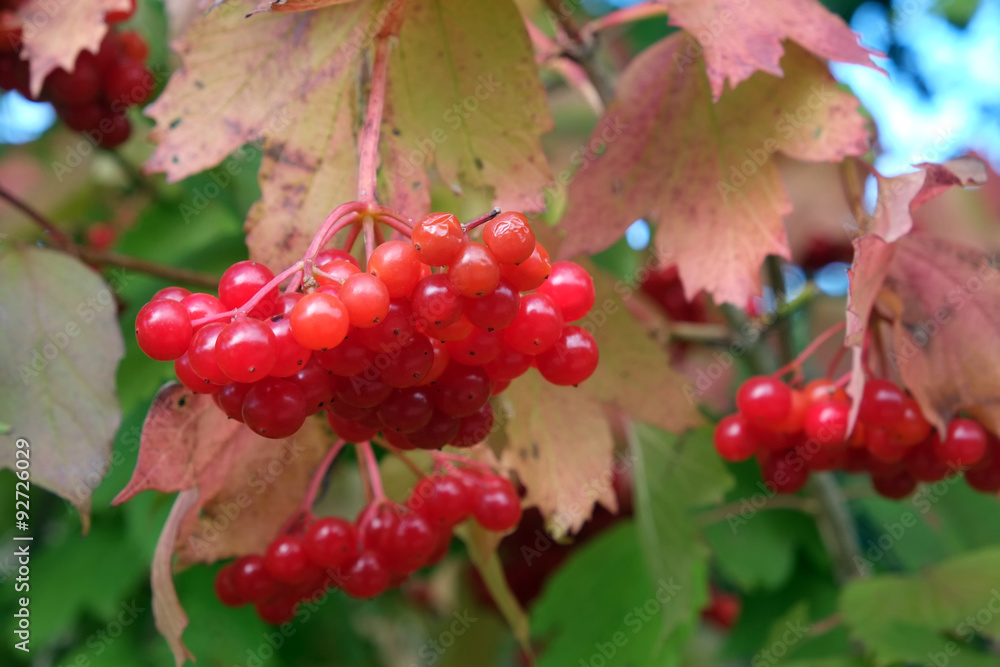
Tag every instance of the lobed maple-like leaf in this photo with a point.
(54, 33)
(737, 38)
(702, 170)
(62, 345)
(560, 445)
(464, 96)
(167, 610)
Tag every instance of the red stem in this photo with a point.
(255, 299)
(352, 236)
(481, 220)
(396, 223)
(796, 363)
(379, 236)
(371, 463)
(414, 468)
(305, 507)
(444, 456)
(368, 141)
(369, 230)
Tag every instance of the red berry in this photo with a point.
(347, 359)
(443, 498)
(251, 581)
(245, 350)
(333, 254)
(163, 329)
(785, 472)
(199, 306)
(475, 428)
(734, 439)
(965, 443)
(406, 410)
(882, 404)
(290, 357)
(119, 15)
(83, 117)
(537, 327)
(912, 428)
(894, 485)
(79, 87)
(826, 423)
(508, 364)
(319, 321)
(397, 265)
(435, 302)
(477, 349)
(571, 360)
(286, 560)
(331, 542)
(366, 299)
(440, 430)
(225, 589)
(462, 390)
(133, 45)
(764, 399)
(571, 288)
(230, 399)
(190, 379)
(202, 353)
(437, 238)
(364, 576)
(349, 429)
(243, 280)
(172, 294)
(474, 272)
(412, 542)
(496, 310)
(923, 463)
(274, 408)
(495, 504)
(113, 129)
(531, 273)
(509, 237)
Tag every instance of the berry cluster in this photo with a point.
(385, 545)
(413, 348)
(795, 431)
(95, 95)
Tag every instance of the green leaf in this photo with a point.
(905, 617)
(604, 604)
(61, 347)
(673, 476)
(464, 96)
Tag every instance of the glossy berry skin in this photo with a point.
(336, 272)
(190, 379)
(278, 611)
(824, 389)
(199, 305)
(496, 310)
(537, 327)
(366, 299)
(225, 590)
(172, 293)
(113, 129)
(462, 390)
(509, 364)
(290, 357)
(250, 579)
(477, 349)
(965, 443)
(882, 404)
(397, 265)
(330, 542)
(348, 358)
(163, 330)
(394, 331)
(474, 428)
(201, 353)
(474, 272)
(495, 504)
(364, 576)
(286, 560)
(764, 399)
(230, 399)
(274, 408)
(571, 360)
(406, 410)
(435, 302)
(785, 474)
(571, 288)
(924, 464)
(333, 254)
(826, 423)
(912, 428)
(531, 273)
(882, 447)
(445, 499)
(510, 238)
(440, 430)
(410, 544)
(319, 321)
(128, 83)
(350, 430)
(437, 238)
(243, 280)
(133, 45)
(245, 350)
(734, 439)
(407, 365)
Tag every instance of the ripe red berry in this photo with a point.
(571, 360)
(201, 353)
(119, 15)
(412, 542)
(349, 429)
(336, 272)
(133, 45)
(496, 310)
(435, 302)
(230, 399)
(462, 390)
(347, 359)
(965, 443)
(364, 576)
(225, 589)
(477, 349)
(245, 350)
(536, 328)
(510, 238)
(286, 560)
(571, 288)
(333, 254)
(319, 321)
(440, 430)
(763, 399)
(437, 238)
(290, 357)
(366, 299)
(274, 408)
(826, 423)
(495, 504)
(173, 294)
(243, 280)
(79, 87)
(277, 611)
(199, 306)
(474, 271)
(882, 403)
(445, 499)
(406, 410)
(113, 129)
(190, 379)
(330, 542)
(734, 439)
(397, 265)
(508, 364)
(250, 579)
(894, 485)
(785, 473)
(163, 329)
(531, 273)
(912, 428)
(475, 428)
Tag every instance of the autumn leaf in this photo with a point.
(737, 38)
(464, 96)
(704, 171)
(62, 347)
(167, 611)
(286, 6)
(561, 447)
(54, 33)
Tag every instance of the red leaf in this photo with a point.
(703, 171)
(167, 611)
(740, 37)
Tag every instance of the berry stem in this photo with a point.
(368, 141)
(444, 456)
(407, 461)
(643, 10)
(796, 363)
(65, 243)
(352, 236)
(371, 463)
(369, 230)
(255, 299)
(379, 236)
(305, 507)
(481, 220)
(396, 223)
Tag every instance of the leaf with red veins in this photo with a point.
(242, 80)
(167, 611)
(54, 33)
(899, 196)
(703, 170)
(944, 301)
(465, 97)
(183, 434)
(740, 37)
(249, 492)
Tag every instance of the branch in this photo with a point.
(582, 50)
(103, 257)
(737, 508)
(836, 526)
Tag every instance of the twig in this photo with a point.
(836, 526)
(583, 51)
(796, 363)
(315, 484)
(104, 257)
(777, 279)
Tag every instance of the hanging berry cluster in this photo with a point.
(793, 432)
(94, 96)
(380, 550)
(413, 348)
